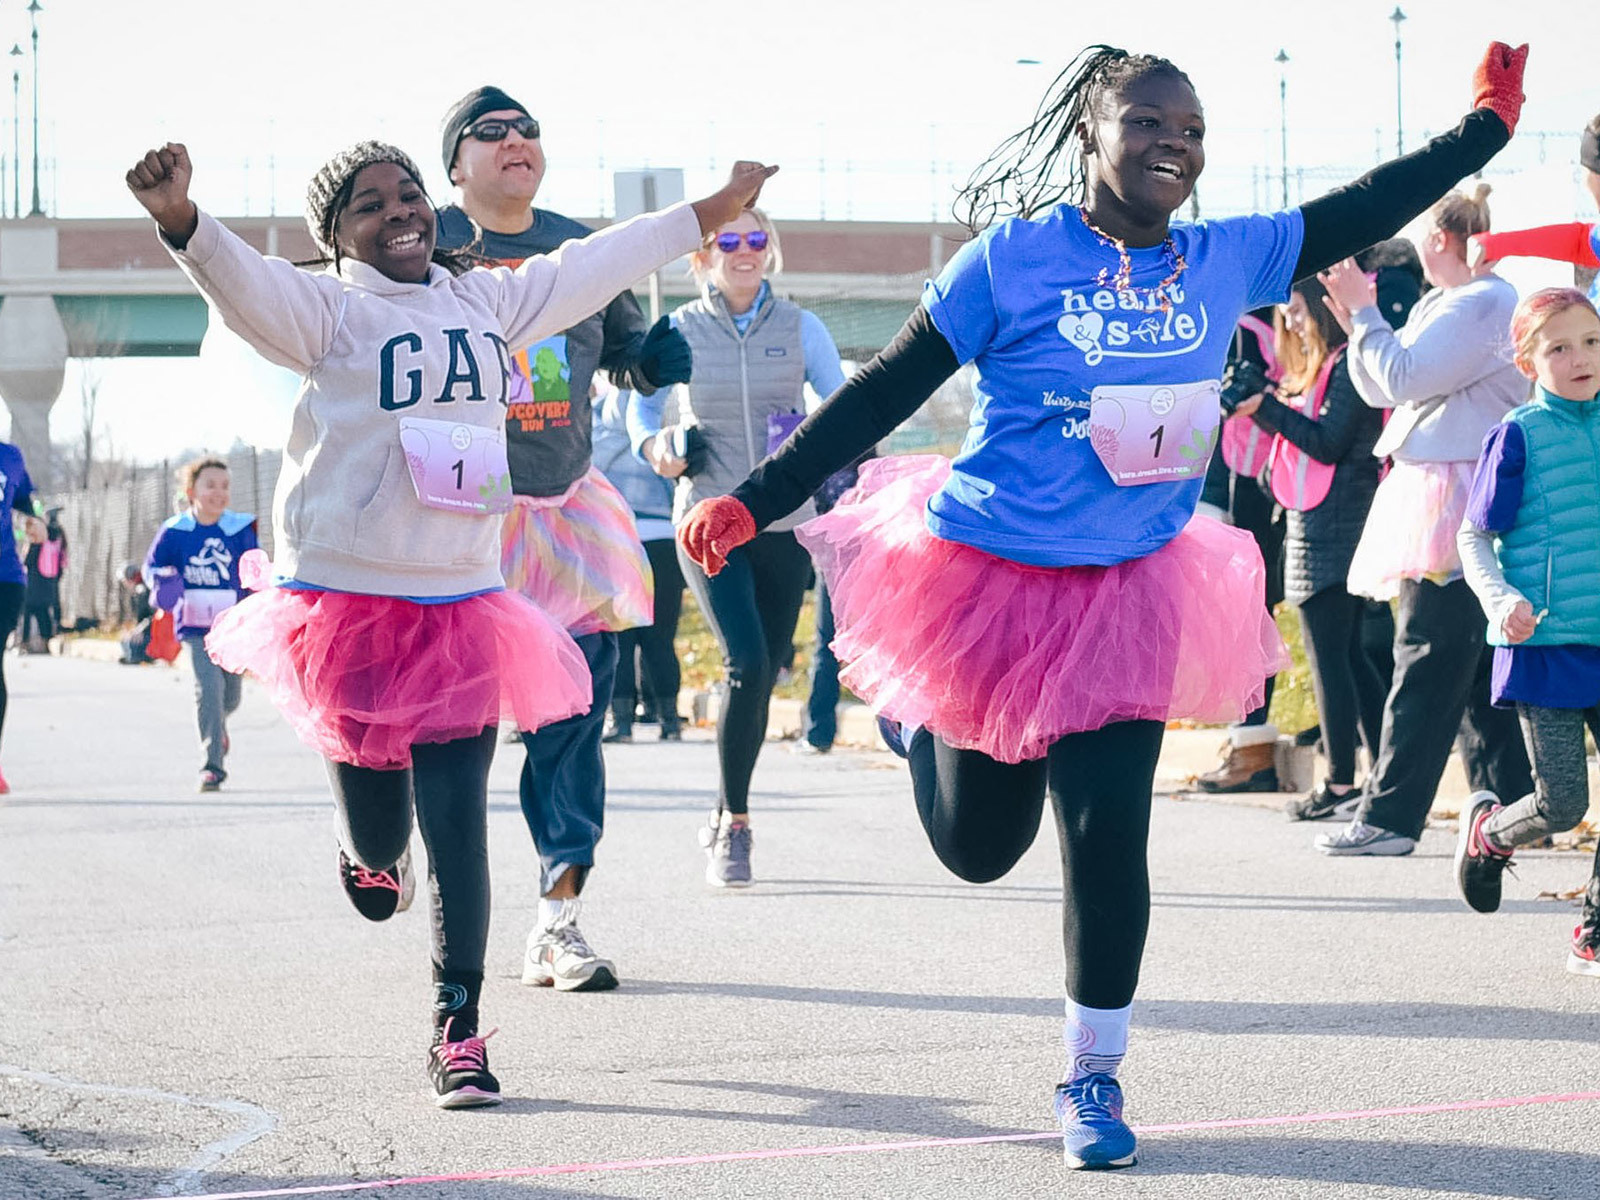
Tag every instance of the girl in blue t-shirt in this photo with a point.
(16, 496)
(1029, 615)
(1529, 552)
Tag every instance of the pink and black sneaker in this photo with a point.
(1584, 958)
(460, 1070)
(376, 894)
(1479, 862)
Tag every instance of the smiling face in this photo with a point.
(738, 271)
(1565, 354)
(388, 223)
(1143, 151)
(209, 494)
(496, 174)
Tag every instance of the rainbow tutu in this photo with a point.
(1006, 658)
(1411, 529)
(578, 557)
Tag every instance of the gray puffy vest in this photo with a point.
(739, 381)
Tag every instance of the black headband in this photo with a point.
(467, 110)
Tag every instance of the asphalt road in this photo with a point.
(188, 1005)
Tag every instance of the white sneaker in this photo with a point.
(559, 957)
(727, 848)
(1360, 838)
(408, 881)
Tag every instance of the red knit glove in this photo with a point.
(1497, 83)
(713, 529)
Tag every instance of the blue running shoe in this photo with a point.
(889, 731)
(1094, 1135)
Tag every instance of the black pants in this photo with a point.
(1348, 689)
(982, 815)
(449, 784)
(1253, 510)
(656, 670)
(10, 606)
(1440, 696)
(752, 606)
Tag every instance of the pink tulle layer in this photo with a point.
(1411, 529)
(1005, 658)
(364, 678)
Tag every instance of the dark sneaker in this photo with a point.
(1584, 958)
(671, 729)
(1324, 802)
(1093, 1134)
(460, 1072)
(727, 849)
(210, 781)
(1360, 838)
(1479, 863)
(892, 735)
(559, 957)
(376, 894)
(617, 733)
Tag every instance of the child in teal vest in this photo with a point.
(1531, 554)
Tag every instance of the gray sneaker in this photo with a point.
(559, 957)
(1360, 838)
(727, 849)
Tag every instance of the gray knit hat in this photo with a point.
(335, 173)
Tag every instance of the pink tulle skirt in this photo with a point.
(1411, 529)
(364, 678)
(1005, 658)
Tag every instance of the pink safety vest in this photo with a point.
(1246, 447)
(50, 558)
(1299, 481)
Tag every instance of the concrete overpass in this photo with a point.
(93, 288)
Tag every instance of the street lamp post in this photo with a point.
(16, 130)
(1399, 112)
(1283, 119)
(34, 9)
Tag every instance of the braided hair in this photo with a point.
(1025, 172)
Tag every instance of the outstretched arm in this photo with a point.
(1565, 243)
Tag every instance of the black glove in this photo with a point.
(664, 356)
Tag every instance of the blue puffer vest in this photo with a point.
(1552, 554)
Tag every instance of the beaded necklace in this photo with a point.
(1150, 299)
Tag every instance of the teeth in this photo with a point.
(406, 242)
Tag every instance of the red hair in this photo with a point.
(1535, 311)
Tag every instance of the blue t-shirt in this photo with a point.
(1594, 244)
(1027, 485)
(16, 493)
(207, 559)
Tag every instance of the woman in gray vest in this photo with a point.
(753, 355)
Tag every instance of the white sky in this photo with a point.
(894, 100)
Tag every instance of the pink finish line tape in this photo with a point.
(695, 1160)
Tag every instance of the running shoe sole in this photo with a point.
(1083, 1164)
(468, 1097)
(718, 882)
(601, 979)
(1582, 966)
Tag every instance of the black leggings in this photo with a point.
(10, 606)
(982, 815)
(1348, 689)
(752, 606)
(449, 782)
(657, 673)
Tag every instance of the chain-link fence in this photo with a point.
(114, 523)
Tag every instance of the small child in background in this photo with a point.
(193, 568)
(1530, 553)
(141, 612)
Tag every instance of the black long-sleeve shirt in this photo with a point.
(900, 379)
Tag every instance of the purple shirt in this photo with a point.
(1545, 676)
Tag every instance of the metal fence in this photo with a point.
(114, 523)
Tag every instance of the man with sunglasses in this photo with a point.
(492, 153)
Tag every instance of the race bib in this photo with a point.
(461, 468)
(1154, 434)
(202, 606)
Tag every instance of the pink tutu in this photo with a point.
(579, 558)
(1005, 658)
(363, 678)
(1411, 530)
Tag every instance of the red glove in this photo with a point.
(713, 529)
(1497, 83)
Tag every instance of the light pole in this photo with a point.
(34, 10)
(16, 130)
(1283, 119)
(1399, 113)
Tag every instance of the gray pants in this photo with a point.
(1560, 796)
(216, 696)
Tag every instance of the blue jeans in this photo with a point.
(821, 720)
(216, 696)
(564, 776)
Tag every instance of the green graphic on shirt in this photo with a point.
(551, 373)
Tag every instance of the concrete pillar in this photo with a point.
(33, 340)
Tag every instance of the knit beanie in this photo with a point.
(467, 110)
(335, 173)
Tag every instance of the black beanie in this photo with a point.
(467, 110)
(1589, 147)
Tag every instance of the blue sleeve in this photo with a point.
(1496, 494)
(1264, 249)
(823, 371)
(161, 554)
(644, 418)
(1594, 239)
(961, 300)
(22, 500)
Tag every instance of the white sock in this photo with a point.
(1095, 1039)
(557, 912)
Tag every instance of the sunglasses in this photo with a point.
(756, 239)
(495, 129)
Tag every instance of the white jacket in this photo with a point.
(346, 515)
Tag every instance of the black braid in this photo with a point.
(1022, 175)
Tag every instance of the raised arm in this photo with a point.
(1572, 243)
(1382, 201)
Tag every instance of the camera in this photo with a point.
(1241, 379)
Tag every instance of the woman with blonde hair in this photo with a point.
(754, 353)
(1448, 378)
